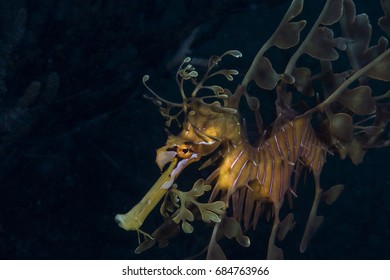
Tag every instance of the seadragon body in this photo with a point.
(247, 179)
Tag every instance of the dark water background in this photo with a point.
(80, 147)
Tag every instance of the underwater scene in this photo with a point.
(238, 129)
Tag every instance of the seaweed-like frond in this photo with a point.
(209, 211)
(187, 72)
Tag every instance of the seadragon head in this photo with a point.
(205, 128)
(210, 121)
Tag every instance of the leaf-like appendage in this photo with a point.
(234, 53)
(232, 228)
(376, 50)
(358, 29)
(211, 212)
(384, 22)
(294, 9)
(303, 81)
(188, 72)
(321, 45)
(381, 70)
(183, 216)
(265, 76)
(330, 80)
(312, 227)
(228, 73)
(198, 188)
(216, 89)
(289, 34)
(359, 100)
(187, 228)
(286, 36)
(341, 126)
(341, 43)
(354, 150)
(333, 12)
(285, 226)
(331, 195)
(253, 102)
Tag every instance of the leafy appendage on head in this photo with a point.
(187, 72)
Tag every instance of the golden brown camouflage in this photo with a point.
(249, 180)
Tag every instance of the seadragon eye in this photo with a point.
(184, 151)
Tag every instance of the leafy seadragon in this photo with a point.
(248, 179)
